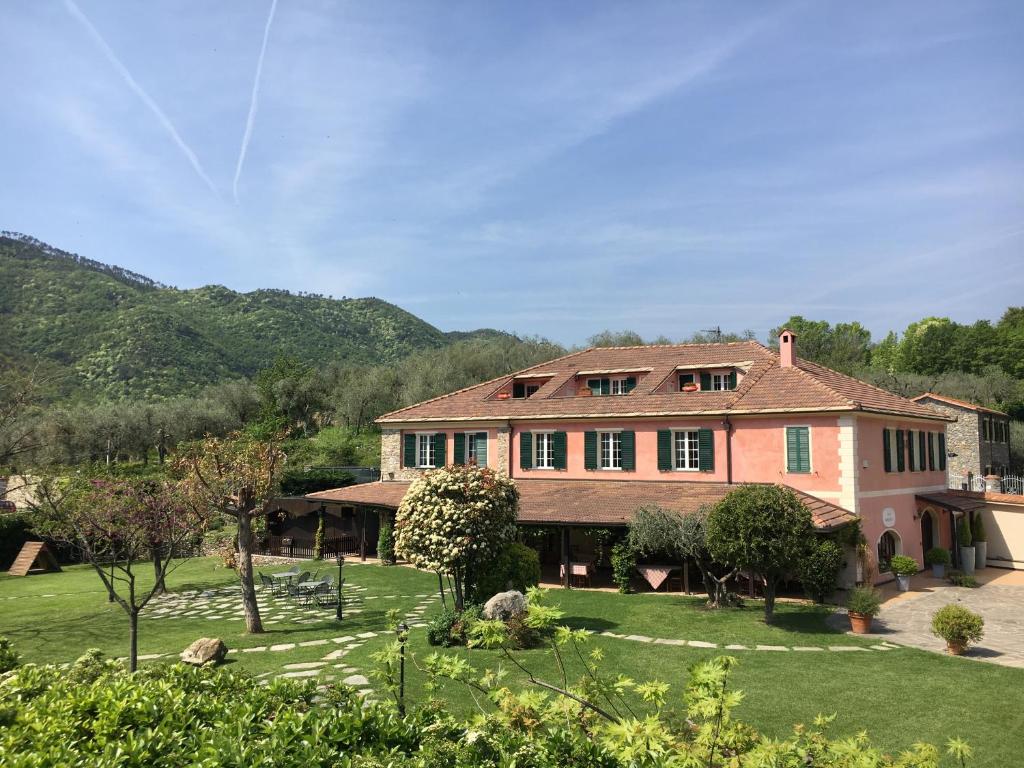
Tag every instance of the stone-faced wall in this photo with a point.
(391, 457)
(993, 455)
(963, 437)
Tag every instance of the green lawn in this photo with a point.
(898, 696)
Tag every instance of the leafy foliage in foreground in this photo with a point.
(96, 715)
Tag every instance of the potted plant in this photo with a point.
(938, 558)
(862, 605)
(958, 626)
(903, 568)
(966, 550)
(980, 542)
(691, 387)
(504, 395)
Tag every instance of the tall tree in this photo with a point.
(763, 529)
(115, 524)
(236, 477)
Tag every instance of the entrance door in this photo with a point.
(927, 531)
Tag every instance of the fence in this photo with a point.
(288, 546)
(1012, 484)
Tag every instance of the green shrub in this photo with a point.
(901, 565)
(865, 600)
(819, 570)
(937, 556)
(451, 626)
(516, 567)
(9, 658)
(297, 482)
(386, 541)
(623, 564)
(15, 530)
(957, 625)
(964, 533)
(961, 579)
(978, 528)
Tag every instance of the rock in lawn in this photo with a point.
(505, 605)
(205, 650)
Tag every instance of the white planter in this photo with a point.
(980, 554)
(903, 583)
(967, 559)
(939, 571)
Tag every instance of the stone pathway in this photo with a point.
(882, 646)
(907, 620)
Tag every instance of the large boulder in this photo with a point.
(205, 650)
(505, 605)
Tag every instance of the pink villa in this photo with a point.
(592, 436)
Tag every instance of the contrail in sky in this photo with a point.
(165, 121)
(253, 101)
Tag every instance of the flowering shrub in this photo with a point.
(454, 519)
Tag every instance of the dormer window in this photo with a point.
(723, 381)
(521, 389)
(718, 380)
(612, 386)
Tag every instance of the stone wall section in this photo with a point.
(501, 460)
(963, 437)
(391, 457)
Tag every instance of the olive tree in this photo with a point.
(236, 477)
(115, 524)
(763, 529)
(454, 519)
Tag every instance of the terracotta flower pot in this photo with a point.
(860, 623)
(955, 648)
(689, 388)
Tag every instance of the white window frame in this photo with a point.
(549, 441)
(810, 449)
(689, 450)
(471, 439)
(431, 456)
(614, 449)
(720, 382)
(617, 386)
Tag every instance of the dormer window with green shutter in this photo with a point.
(621, 385)
(717, 380)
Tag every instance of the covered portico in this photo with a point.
(941, 515)
(564, 515)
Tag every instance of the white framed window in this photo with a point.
(476, 448)
(543, 450)
(719, 382)
(424, 450)
(686, 450)
(618, 387)
(611, 450)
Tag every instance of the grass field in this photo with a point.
(899, 696)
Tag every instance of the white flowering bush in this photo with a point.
(454, 519)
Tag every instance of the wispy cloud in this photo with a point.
(251, 119)
(153, 107)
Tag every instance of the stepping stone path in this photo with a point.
(740, 647)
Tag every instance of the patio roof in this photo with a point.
(952, 501)
(592, 502)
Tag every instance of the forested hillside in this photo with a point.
(102, 332)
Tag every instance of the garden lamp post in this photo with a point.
(340, 558)
(403, 634)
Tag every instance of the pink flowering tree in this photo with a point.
(454, 519)
(116, 524)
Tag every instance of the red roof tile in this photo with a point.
(765, 387)
(592, 502)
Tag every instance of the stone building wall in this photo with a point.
(963, 437)
(391, 455)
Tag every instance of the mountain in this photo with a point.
(107, 332)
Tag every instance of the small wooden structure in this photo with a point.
(34, 556)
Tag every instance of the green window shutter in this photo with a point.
(942, 451)
(705, 382)
(921, 448)
(518, 389)
(911, 458)
(630, 383)
(886, 450)
(594, 385)
(798, 449)
(606, 386)
(409, 452)
(901, 451)
(931, 451)
(628, 451)
(684, 379)
(590, 450)
(440, 459)
(481, 449)
(664, 450)
(706, 449)
(732, 379)
(460, 448)
(558, 448)
(526, 450)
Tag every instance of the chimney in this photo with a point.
(787, 348)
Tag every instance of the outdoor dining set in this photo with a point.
(308, 589)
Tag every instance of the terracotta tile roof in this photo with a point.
(765, 387)
(952, 500)
(977, 499)
(592, 502)
(958, 403)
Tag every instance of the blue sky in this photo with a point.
(545, 168)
